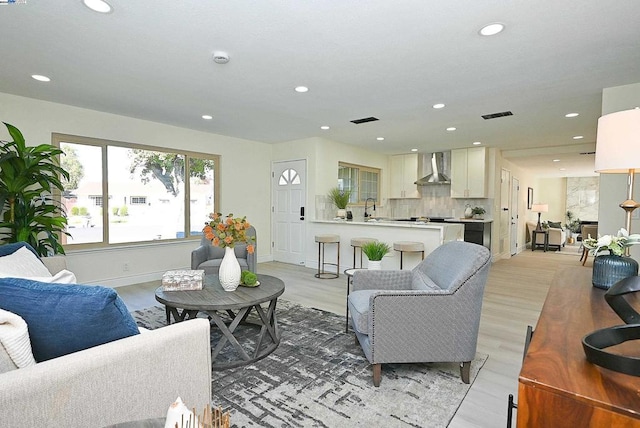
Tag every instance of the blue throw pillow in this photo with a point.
(66, 318)
(7, 249)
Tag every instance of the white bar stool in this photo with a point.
(322, 240)
(409, 247)
(358, 243)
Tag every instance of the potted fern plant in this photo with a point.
(340, 198)
(375, 251)
(29, 177)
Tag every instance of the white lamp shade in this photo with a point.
(618, 142)
(540, 208)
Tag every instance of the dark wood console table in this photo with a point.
(557, 386)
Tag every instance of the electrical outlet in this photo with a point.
(125, 267)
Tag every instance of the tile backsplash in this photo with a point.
(435, 201)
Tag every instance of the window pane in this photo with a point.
(82, 195)
(202, 192)
(157, 178)
(369, 185)
(348, 180)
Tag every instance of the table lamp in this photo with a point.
(539, 208)
(618, 151)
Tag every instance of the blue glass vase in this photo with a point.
(609, 269)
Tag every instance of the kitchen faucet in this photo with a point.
(365, 207)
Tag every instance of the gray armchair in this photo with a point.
(428, 314)
(208, 257)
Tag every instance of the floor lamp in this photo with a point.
(618, 152)
(539, 208)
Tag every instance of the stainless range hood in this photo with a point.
(433, 165)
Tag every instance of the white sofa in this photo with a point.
(557, 236)
(134, 378)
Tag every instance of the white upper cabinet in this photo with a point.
(404, 173)
(469, 173)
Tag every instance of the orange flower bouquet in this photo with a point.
(228, 231)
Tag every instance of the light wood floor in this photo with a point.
(513, 298)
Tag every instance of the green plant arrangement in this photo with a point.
(614, 244)
(478, 211)
(339, 197)
(29, 177)
(375, 251)
(573, 223)
(249, 279)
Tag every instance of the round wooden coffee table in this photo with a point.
(238, 304)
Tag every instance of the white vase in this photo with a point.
(374, 265)
(342, 213)
(229, 272)
(468, 212)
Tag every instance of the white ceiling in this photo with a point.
(152, 59)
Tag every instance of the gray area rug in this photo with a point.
(319, 377)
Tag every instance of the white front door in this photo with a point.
(289, 182)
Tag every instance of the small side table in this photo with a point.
(534, 241)
(349, 273)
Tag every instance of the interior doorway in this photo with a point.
(514, 210)
(505, 216)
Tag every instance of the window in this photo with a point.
(96, 200)
(138, 200)
(363, 181)
(126, 193)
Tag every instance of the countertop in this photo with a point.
(386, 223)
(469, 220)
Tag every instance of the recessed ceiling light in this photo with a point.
(301, 89)
(98, 5)
(578, 137)
(491, 29)
(563, 169)
(414, 150)
(439, 105)
(325, 127)
(207, 117)
(572, 114)
(380, 138)
(476, 143)
(556, 160)
(40, 78)
(451, 128)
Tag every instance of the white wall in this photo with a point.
(553, 192)
(244, 182)
(610, 216)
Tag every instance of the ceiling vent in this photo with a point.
(364, 120)
(496, 115)
(587, 153)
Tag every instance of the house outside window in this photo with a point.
(96, 200)
(138, 200)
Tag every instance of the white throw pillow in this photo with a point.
(14, 336)
(22, 264)
(62, 277)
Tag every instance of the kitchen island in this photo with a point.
(431, 234)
